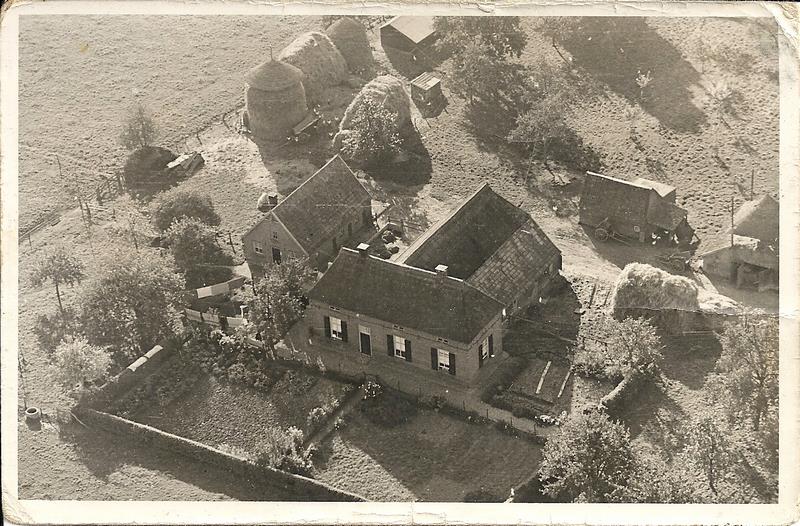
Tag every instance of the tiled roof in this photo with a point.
(410, 297)
(468, 236)
(319, 206)
(416, 28)
(516, 265)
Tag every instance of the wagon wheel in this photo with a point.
(601, 234)
(678, 264)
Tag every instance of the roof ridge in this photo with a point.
(310, 178)
(428, 273)
(623, 181)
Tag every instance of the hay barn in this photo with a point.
(408, 33)
(384, 90)
(747, 253)
(322, 64)
(275, 99)
(641, 209)
(351, 39)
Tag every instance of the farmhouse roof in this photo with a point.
(468, 236)
(273, 75)
(662, 189)
(406, 296)
(757, 219)
(516, 265)
(415, 28)
(316, 208)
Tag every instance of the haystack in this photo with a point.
(275, 99)
(641, 286)
(321, 63)
(351, 39)
(387, 92)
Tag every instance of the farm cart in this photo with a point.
(678, 261)
(603, 231)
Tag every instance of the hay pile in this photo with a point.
(275, 99)
(322, 65)
(717, 304)
(387, 92)
(641, 286)
(351, 39)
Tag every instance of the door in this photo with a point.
(364, 339)
(276, 255)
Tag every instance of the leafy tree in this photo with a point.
(278, 302)
(589, 459)
(711, 449)
(747, 369)
(196, 252)
(558, 29)
(134, 304)
(374, 136)
(499, 36)
(283, 449)
(58, 267)
(177, 203)
(654, 480)
(542, 125)
(52, 328)
(633, 344)
(76, 363)
(139, 130)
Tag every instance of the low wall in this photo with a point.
(305, 489)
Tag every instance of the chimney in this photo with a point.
(441, 271)
(330, 263)
(363, 249)
(272, 199)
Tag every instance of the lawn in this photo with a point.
(431, 457)
(223, 414)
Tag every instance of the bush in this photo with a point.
(284, 450)
(176, 203)
(51, 329)
(147, 165)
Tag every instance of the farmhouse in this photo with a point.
(747, 253)
(312, 222)
(400, 315)
(408, 33)
(640, 209)
(493, 246)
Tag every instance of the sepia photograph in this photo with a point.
(400, 255)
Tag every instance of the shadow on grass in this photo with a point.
(653, 411)
(688, 360)
(412, 167)
(615, 49)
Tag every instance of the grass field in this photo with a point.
(432, 457)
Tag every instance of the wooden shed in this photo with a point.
(426, 90)
(408, 33)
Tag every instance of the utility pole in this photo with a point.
(752, 182)
(731, 221)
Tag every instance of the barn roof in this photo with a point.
(273, 75)
(410, 297)
(757, 219)
(317, 208)
(661, 189)
(468, 236)
(516, 265)
(609, 196)
(415, 28)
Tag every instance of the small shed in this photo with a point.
(186, 164)
(426, 90)
(408, 33)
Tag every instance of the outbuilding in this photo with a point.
(408, 33)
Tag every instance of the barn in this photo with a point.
(408, 33)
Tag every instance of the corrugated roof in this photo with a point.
(662, 189)
(318, 207)
(273, 75)
(415, 28)
(516, 265)
(468, 236)
(410, 297)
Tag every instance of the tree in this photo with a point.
(542, 125)
(134, 304)
(654, 480)
(139, 130)
(711, 449)
(558, 29)
(633, 344)
(747, 369)
(498, 36)
(374, 136)
(177, 203)
(283, 449)
(278, 302)
(76, 363)
(59, 267)
(589, 459)
(196, 252)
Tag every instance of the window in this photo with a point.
(444, 360)
(336, 328)
(258, 247)
(400, 347)
(274, 234)
(365, 342)
(484, 349)
(276, 255)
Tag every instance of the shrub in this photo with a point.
(372, 390)
(284, 450)
(52, 329)
(316, 417)
(174, 204)
(147, 165)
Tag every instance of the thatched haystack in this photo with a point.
(351, 39)
(322, 65)
(641, 286)
(386, 91)
(275, 99)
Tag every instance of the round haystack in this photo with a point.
(275, 99)
(321, 63)
(643, 287)
(351, 39)
(387, 91)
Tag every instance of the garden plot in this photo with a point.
(542, 380)
(430, 457)
(234, 416)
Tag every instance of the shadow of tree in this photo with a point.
(615, 49)
(411, 65)
(412, 167)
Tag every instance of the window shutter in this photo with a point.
(480, 355)
(327, 320)
(390, 344)
(344, 331)
(452, 364)
(408, 350)
(434, 359)
(491, 345)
